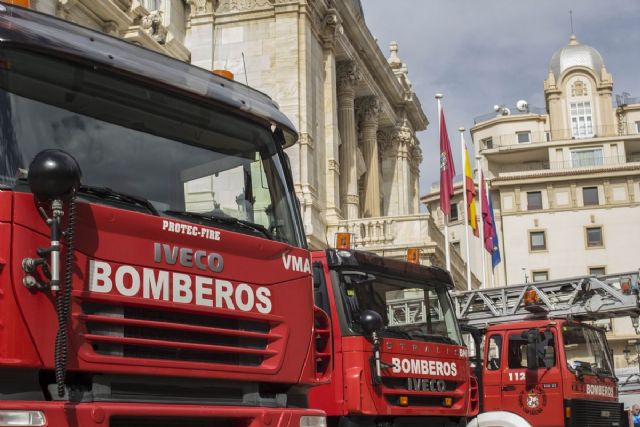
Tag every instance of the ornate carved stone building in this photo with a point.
(356, 166)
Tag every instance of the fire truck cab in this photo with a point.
(150, 241)
(537, 360)
(398, 354)
(551, 373)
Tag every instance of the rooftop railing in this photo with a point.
(508, 111)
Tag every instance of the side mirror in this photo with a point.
(370, 321)
(533, 336)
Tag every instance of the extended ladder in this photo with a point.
(580, 298)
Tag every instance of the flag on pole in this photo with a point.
(487, 222)
(495, 253)
(472, 218)
(447, 169)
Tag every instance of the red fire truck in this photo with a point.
(150, 242)
(541, 364)
(399, 359)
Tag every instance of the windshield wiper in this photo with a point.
(226, 219)
(108, 193)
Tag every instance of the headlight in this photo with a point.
(15, 418)
(313, 421)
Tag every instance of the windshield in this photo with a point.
(413, 311)
(188, 161)
(586, 350)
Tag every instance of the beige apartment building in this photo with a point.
(565, 179)
(356, 165)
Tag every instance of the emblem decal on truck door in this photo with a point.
(533, 401)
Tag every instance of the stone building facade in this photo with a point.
(356, 166)
(565, 179)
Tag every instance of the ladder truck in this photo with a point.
(150, 242)
(542, 364)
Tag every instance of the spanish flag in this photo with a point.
(471, 194)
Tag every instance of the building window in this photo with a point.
(534, 200)
(454, 212)
(586, 157)
(487, 143)
(594, 237)
(581, 125)
(540, 276)
(637, 127)
(547, 136)
(456, 246)
(523, 137)
(590, 196)
(597, 271)
(537, 241)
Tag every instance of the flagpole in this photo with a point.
(481, 223)
(447, 255)
(493, 270)
(466, 213)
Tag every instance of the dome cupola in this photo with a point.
(575, 54)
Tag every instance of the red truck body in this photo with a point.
(178, 315)
(574, 384)
(411, 368)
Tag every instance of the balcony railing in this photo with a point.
(526, 139)
(593, 162)
(408, 230)
(391, 236)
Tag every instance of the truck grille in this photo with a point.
(591, 413)
(115, 329)
(394, 387)
(401, 383)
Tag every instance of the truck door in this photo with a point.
(491, 373)
(535, 395)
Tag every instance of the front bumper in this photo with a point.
(65, 414)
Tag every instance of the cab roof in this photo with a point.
(24, 28)
(350, 259)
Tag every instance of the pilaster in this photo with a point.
(348, 76)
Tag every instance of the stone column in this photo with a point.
(368, 111)
(348, 76)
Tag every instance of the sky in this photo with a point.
(479, 53)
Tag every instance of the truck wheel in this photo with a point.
(498, 419)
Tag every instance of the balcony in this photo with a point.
(519, 140)
(391, 236)
(576, 165)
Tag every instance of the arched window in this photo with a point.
(580, 110)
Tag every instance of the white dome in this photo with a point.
(575, 54)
